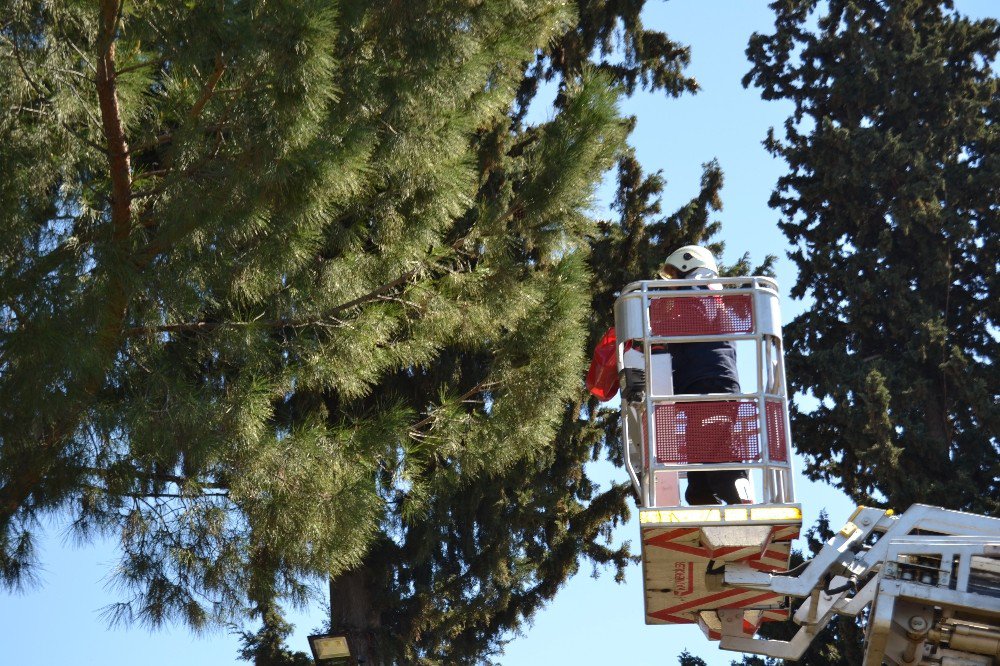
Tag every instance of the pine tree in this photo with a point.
(266, 297)
(642, 57)
(291, 292)
(540, 518)
(890, 204)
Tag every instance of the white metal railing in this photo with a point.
(662, 312)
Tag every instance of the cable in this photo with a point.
(794, 571)
(851, 585)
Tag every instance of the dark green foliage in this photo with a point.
(641, 57)
(891, 203)
(685, 658)
(266, 646)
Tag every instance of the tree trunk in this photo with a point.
(351, 613)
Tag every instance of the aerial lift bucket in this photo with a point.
(668, 436)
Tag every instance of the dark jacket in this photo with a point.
(709, 365)
(696, 362)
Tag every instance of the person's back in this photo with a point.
(701, 368)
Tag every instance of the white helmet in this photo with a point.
(688, 258)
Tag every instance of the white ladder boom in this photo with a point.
(932, 577)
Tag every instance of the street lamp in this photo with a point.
(329, 650)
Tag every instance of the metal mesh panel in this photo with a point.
(708, 432)
(714, 314)
(777, 447)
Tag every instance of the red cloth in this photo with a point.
(602, 377)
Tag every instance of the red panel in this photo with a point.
(708, 432)
(777, 447)
(715, 314)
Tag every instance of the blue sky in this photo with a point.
(592, 620)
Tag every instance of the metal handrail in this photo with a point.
(711, 397)
(777, 482)
(639, 285)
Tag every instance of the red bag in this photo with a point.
(602, 377)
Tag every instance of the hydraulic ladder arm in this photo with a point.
(932, 576)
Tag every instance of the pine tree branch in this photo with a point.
(72, 72)
(45, 95)
(158, 140)
(165, 241)
(207, 92)
(219, 492)
(114, 130)
(159, 477)
(378, 293)
(478, 388)
(139, 65)
(208, 89)
(45, 451)
(83, 56)
(195, 326)
(50, 261)
(85, 105)
(372, 295)
(162, 173)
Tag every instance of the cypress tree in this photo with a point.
(890, 204)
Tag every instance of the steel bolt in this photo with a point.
(918, 623)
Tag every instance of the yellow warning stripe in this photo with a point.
(764, 514)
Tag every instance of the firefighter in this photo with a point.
(700, 368)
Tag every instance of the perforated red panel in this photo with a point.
(777, 447)
(715, 314)
(708, 432)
